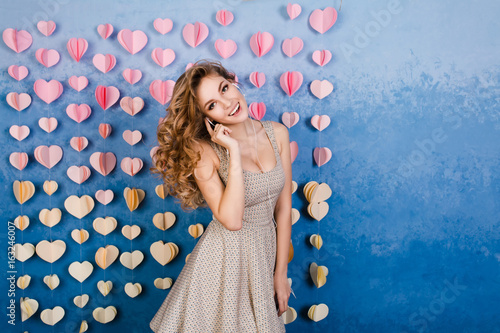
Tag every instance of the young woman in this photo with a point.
(235, 279)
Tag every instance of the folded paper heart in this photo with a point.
(164, 283)
(292, 46)
(294, 150)
(320, 122)
(17, 40)
(105, 287)
(318, 210)
(322, 57)
(46, 27)
(295, 215)
(22, 222)
(133, 289)
(161, 191)
(290, 82)
(318, 274)
(105, 30)
(104, 226)
(257, 110)
(77, 48)
(103, 163)
(19, 132)
(293, 10)
(261, 43)
(23, 281)
(104, 197)
(294, 186)
(290, 119)
(48, 58)
(163, 221)
(78, 113)
(18, 160)
(196, 230)
(322, 155)
(47, 124)
(163, 26)
(323, 20)
(79, 143)
(224, 17)
(321, 89)
(80, 236)
(50, 251)
(52, 316)
(133, 197)
(316, 241)
(17, 101)
(52, 281)
(23, 252)
(104, 63)
(132, 41)
(81, 300)
(318, 312)
(105, 130)
(48, 156)
(257, 79)
(289, 315)
(79, 206)
(164, 252)
(106, 96)
(131, 260)
(18, 72)
(132, 138)
(48, 91)
(78, 82)
(104, 316)
(78, 174)
(105, 256)
(132, 76)
(162, 90)
(50, 186)
(225, 48)
(290, 251)
(80, 270)
(131, 231)
(163, 57)
(28, 307)
(195, 34)
(23, 190)
(132, 106)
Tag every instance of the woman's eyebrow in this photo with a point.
(220, 86)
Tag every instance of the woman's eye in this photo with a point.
(224, 88)
(211, 106)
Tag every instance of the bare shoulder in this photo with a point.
(280, 133)
(208, 154)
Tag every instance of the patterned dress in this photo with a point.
(227, 282)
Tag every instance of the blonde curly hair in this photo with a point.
(180, 131)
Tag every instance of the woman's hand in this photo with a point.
(281, 291)
(220, 135)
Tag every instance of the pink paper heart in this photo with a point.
(47, 124)
(320, 122)
(322, 57)
(103, 163)
(18, 101)
(257, 110)
(224, 17)
(134, 41)
(18, 72)
(78, 83)
(321, 89)
(132, 138)
(18, 160)
(225, 48)
(17, 40)
(79, 143)
(290, 82)
(261, 43)
(78, 112)
(293, 10)
(163, 26)
(106, 96)
(77, 48)
(294, 150)
(105, 130)
(290, 118)
(105, 30)
(131, 166)
(323, 20)
(78, 174)
(132, 76)
(46, 27)
(153, 151)
(195, 34)
(162, 90)
(132, 106)
(19, 132)
(48, 156)
(48, 91)
(292, 46)
(322, 155)
(257, 79)
(163, 57)
(104, 197)
(104, 63)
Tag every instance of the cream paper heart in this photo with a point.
(105, 287)
(196, 230)
(295, 215)
(23, 281)
(52, 281)
(105, 256)
(318, 312)
(81, 300)
(164, 283)
(50, 186)
(52, 316)
(164, 253)
(133, 197)
(318, 274)
(23, 190)
(289, 315)
(84, 326)
(131, 260)
(318, 210)
(163, 221)
(80, 270)
(80, 236)
(104, 316)
(308, 189)
(131, 231)
(161, 191)
(321, 193)
(133, 289)
(23, 252)
(316, 241)
(50, 251)
(294, 186)
(79, 206)
(22, 222)
(50, 217)
(106, 225)
(28, 307)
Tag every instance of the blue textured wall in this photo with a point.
(412, 235)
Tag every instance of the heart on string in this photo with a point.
(48, 91)
(290, 119)
(78, 82)
(162, 90)
(261, 43)
(103, 163)
(132, 76)
(47, 124)
(224, 17)
(321, 89)
(105, 130)
(323, 20)
(257, 110)
(225, 48)
(322, 57)
(320, 122)
(257, 79)
(17, 101)
(293, 10)
(48, 58)
(195, 34)
(78, 174)
(104, 63)
(294, 150)
(132, 138)
(46, 27)
(78, 112)
(134, 41)
(131, 166)
(106, 96)
(163, 26)
(104, 197)
(79, 143)
(132, 106)
(18, 160)
(77, 48)
(18, 72)
(322, 155)
(48, 156)
(290, 82)
(17, 40)
(105, 30)
(292, 46)
(19, 132)
(162, 57)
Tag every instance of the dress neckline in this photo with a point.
(272, 146)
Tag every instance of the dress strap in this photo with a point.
(268, 127)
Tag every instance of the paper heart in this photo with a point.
(18, 72)
(133, 197)
(308, 188)
(318, 274)
(50, 251)
(257, 79)
(103, 163)
(195, 34)
(77, 48)
(78, 82)
(105, 287)
(50, 186)
(104, 226)
(257, 110)
(18, 160)
(292, 46)
(294, 150)
(320, 192)
(17, 40)
(104, 316)
(163, 221)
(321, 89)
(48, 156)
(322, 57)
(290, 82)
(81, 300)
(132, 138)
(293, 10)
(161, 191)
(23, 252)
(318, 312)
(322, 155)
(28, 308)
(225, 48)
(131, 232)
(131, 260)
(224, 17)
(320, 122)
(23, 190)
(106, 96)
(162, 90)
(19, 132)
(163, 283)
(294, 186)
(323, 20)
(50, 217)
(261, 43)
(80, 236)
(23, 281)
(295, 215)
(46, 27)
(105, 256)
(290, 119)
(79, 143)
(164, 252)
(163, 57)
(48, 58)
(163, 26)
(104, 63)
(78, 112)
(132, 76)
(133, 289)
(78, 174)
(47, 124)
(132, 106)
(105, 130)
(104, 197)
(318, 210)
(105, 30)
(18, 101)
(22, 222)
(316, 241)
(80, 270)
(48, 91)
(195, 230)
(134, 41)
(289, 315)
(79, 207)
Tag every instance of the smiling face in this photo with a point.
(218, 98)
